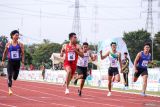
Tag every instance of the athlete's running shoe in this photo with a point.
(143, 94)
(67, 91)
(79, 93)
(109, 94)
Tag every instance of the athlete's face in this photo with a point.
(85, 48)
(146, 48)
(74, 39)
(15, 36)
(125, 55)
(113, 46)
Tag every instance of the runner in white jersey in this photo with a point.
(115, 58)
(82, 66)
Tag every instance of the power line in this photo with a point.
(32, 11)
(65, 18)
(54, 2)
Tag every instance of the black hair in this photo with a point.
(13, 33)
(125, 53)
(71, 35)
(147, 44)
(85, 43)
(113, 43)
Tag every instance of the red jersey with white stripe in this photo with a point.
(71, 57)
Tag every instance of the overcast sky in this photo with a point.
(113, 18)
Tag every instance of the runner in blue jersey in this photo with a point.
(15, 52)
(140, 65)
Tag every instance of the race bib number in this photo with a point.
(71, 56)
(145, 63)
(14, 54)
(86, 61)
(114, 63)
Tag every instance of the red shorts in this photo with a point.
(72, 65)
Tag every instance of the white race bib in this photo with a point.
(145, 63)
(14, 54)
(71, 56)
(114, 63)
(86, 61)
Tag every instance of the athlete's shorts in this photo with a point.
(141, 71)
(82, 71)
(112, 71)
(72, 65)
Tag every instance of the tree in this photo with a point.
(44, 51)
(28, 57)
(156, 45)
(93, 47)
(135, 41)
(3, 41)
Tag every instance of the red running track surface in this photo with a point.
(33, 94)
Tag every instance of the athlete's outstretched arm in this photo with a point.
(22, 50)
(136, 61)
(62, 50)
(4, 54)
(79, 51)
(104, 56)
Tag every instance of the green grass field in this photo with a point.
(130, 90)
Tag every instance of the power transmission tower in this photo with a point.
(158, 22)
(159, 16)
(76, 27)
(95, 30)
(40, 22)
(149, 22)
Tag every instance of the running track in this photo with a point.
(32, 94)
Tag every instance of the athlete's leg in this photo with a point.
(82, 81)
(127, 83)
(145, 77)
(109, 83)
(137, 74)
(79, 74)
(84, 73)
(117, 78)
(10, 73)
(68, 76)
(125, 79)
(16, 70)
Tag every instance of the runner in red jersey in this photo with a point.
(71, 50)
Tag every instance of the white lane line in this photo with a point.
(93, 97)
(130, 99)
(32, 81)
(2, 104)
(3, 96)
(90, 102)
(30, 99)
